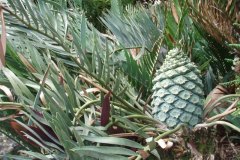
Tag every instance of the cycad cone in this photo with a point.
(178, 91)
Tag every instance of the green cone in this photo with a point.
(178, 91)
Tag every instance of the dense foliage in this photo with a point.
(71, 89)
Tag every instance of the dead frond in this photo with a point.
(217, 24)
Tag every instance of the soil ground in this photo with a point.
(6, 144)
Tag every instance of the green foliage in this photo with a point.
(59, 67)
(66, 66)
(183, 26)
(95, 8)
(143, 36)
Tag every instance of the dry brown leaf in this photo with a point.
(90, 81)
(60, 79)
(7, 107)
(134, 52)
(143, 154)
(228, 5)
(195, 153)
(12, 116)
(89, 90)
(7, 91)
(162, 143)
(174, 12)
(214, 21)
(43, 99)
(169, 144)
(215, 94)
(27, 64)
(2, 41)
(171, 38)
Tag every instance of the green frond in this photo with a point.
(137, 28)
(63, 77)
(140, 30)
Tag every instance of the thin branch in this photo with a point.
(213, 105)
(198, 126)
(142, 117)
(169, 132)
(83, 107)
(126, 135)
(94, 84)
(228, 111)
(2, 104)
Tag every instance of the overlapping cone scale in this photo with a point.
(178, 91)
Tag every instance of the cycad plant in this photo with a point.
(66, 79)
(69, 91)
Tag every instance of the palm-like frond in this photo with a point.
(55, 40)
(139, 27)
(25, 14)
(140, 30)
(75, 93)
(60, 102)
(66, 66)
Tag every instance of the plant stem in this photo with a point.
(142, 117)
(94, 84)
(83, 107)
(215, 123)
(228, 111)
(169, 132)
(213, 105)
(11, 104)
(222, 115)
(146, 148)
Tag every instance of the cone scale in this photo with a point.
(178, 91)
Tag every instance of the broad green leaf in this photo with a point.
(113, 140)
(156, 154)
(116, 7)
(30, 8)
(67, 143)
(78, 138)
(17, 84)
(22, 9)
(35, 155)
(15, 157)
(99, 155)
(106, 150)
(94, 130)
(132, 126)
